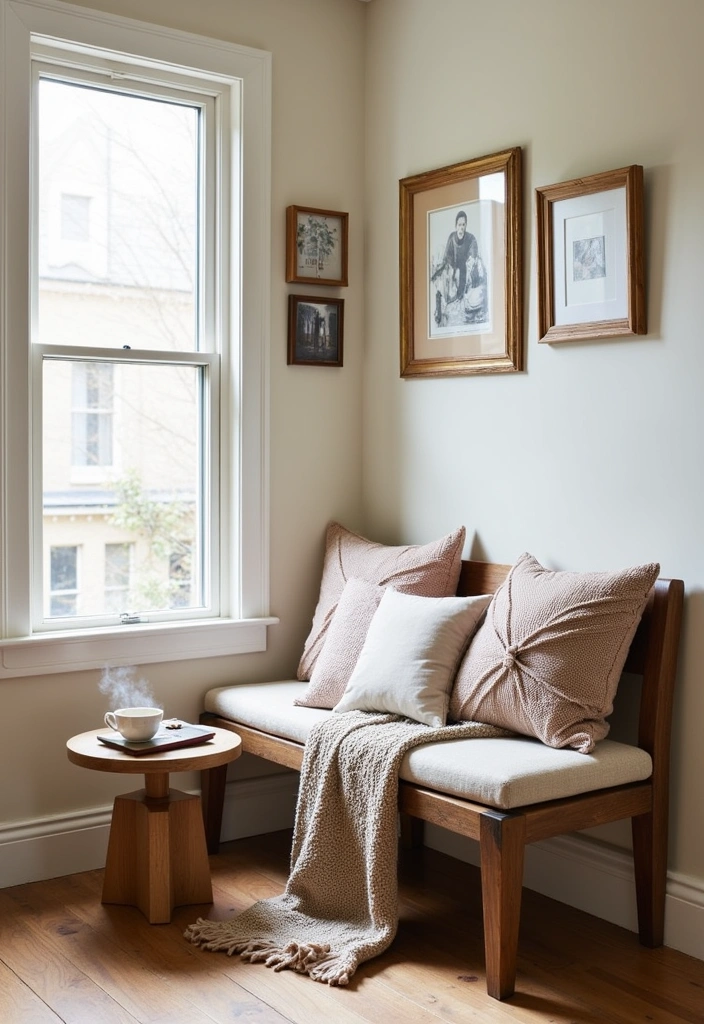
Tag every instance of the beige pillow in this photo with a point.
(410, 656)
(547, 659)
(344, 641)
(428, 570)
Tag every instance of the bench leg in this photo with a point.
(412, 830)
(650, 865)
(212, 789)
(501, 845)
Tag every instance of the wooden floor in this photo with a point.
(65, 957)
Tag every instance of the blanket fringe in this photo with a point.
(311, 958)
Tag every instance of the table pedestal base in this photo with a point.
(157, 857)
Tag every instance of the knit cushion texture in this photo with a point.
(343, 644)
(549, 655)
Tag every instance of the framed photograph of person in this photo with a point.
(315, 330)
(591, 272)
(461, 268)
(316, 246)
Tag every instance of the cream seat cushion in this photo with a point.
(503, 773)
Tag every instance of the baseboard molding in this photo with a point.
(255, 806)
(63, 844)
(598, 879)
(573, 869)
(58, 845)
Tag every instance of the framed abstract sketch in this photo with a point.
(591, 275)
(461, 268)
(315, 330)
(316, 246)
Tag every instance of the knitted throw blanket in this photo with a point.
(339, 907)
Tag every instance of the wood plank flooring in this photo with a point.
(66, 957)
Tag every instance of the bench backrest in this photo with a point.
(653, 652)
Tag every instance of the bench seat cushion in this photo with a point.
(502, 772)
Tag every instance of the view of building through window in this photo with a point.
(123, 439)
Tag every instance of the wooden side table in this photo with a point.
(157, 857)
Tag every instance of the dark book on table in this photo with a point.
(166, 739)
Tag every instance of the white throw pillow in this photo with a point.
(411, 654)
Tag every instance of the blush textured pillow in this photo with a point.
(427, 570)
(344, 641)
(409, 659)
(547, 659)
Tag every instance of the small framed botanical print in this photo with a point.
(316, 246)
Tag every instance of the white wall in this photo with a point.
(591, 458)
(317, 48)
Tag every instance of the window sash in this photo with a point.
(208, 581)
(98, 450)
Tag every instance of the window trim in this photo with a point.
(244, 73)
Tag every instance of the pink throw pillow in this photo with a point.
(343, 644)
(428, 570)
(548, 657)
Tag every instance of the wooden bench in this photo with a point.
(503, 835)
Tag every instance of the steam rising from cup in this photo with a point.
(125, 690)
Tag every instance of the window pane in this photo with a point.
(139, 516)
(118, 219)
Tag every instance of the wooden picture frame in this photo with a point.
(591, 265)
(461, 268)
(316, 246)
(315, 330)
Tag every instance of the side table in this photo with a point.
(157, 857)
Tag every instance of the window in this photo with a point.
(75, 218)
(63, 597)
(118, 559)
(91, 417)
(149, 169)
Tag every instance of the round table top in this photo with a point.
(87, 751)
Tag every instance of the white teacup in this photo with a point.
(136, 724)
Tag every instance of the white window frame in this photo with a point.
(243, 75)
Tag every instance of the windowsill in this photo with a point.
(76, 650)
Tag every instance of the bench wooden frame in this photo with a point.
(502, 836)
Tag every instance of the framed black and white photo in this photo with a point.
(460, 258)
(316, 246)
(591, 277)
(315, 330)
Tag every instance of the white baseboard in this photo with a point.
(598, 879)
(48, 847)
(573, 869)
(255, 806)
(66, 843)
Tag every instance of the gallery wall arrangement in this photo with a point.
(316, 254)
(460, 261)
